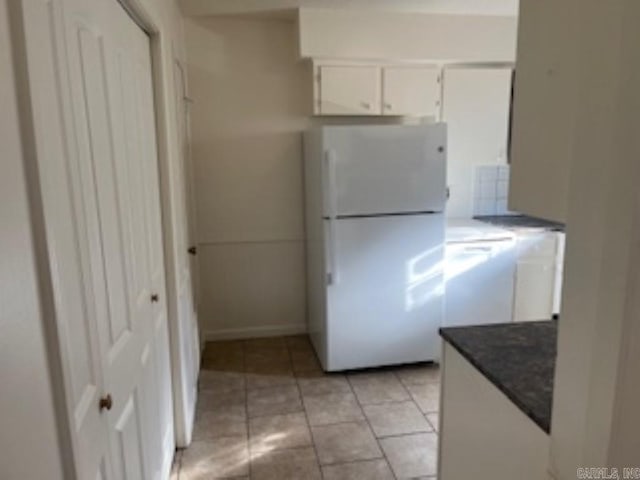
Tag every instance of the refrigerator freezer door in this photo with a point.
(372, 170)
(385, 299)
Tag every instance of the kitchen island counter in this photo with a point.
(518, 358)
(495, 400)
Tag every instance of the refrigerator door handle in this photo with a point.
(331, 197)
(331, 200)
(332, 264)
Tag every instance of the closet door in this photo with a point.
(150, 183)
(98, 163)
(70, 222)
(186, 328)
(141, 376)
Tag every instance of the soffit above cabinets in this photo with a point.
(287, 8)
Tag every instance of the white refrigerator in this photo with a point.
(375, 198)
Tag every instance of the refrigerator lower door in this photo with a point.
(385, 297)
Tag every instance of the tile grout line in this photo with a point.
(384, 455)
(424, 414)
(413, 399)
(297, 377)
(430, 423)
(306, 416)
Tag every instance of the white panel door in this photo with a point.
(122, 329)
(161, 406)
(476, 110)
(71, 229)
(385, 299)
(186, 379)
(347, 90)
(104, 48)
(100, 190)
(411, 91)
(384, 169)
(145, 379)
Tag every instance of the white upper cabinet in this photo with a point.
(392, 90)
(476, 111)
(544, 99)
(348, 90)
(413, 91)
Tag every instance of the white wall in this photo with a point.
(28, 432)
(595, 409)
(343, 34)
(251, 98)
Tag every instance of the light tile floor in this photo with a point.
(267, 411)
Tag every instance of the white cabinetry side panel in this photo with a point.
(483, 435)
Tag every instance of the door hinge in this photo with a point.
(329, 279)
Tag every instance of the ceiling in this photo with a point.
(287, 8)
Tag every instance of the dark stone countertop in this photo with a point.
(520, 221)
(518, 358)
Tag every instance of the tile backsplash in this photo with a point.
(491, 189)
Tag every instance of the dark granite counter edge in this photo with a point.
(544, 424)
(520, 221)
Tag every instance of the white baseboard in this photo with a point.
(255, 332)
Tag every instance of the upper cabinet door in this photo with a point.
(476, 111)
(411, 91)
(346, 90)
(543, 107)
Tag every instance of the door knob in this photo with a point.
(155, 297)
(192, 250)
(106, 402)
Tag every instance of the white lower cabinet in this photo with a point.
(534, 291)
(482, 434)
(536, 286)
